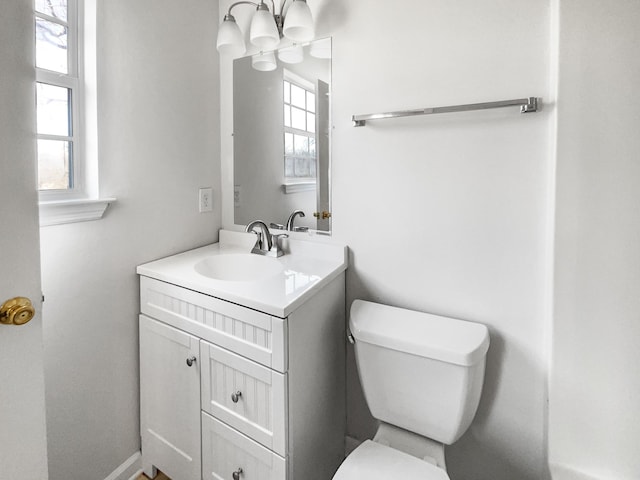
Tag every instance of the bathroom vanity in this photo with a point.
(242, 362)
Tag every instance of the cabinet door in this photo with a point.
(169, 400)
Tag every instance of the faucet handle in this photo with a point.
(276, 236)
(275, 243)
(277, 226)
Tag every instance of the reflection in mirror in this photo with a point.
(281, 137)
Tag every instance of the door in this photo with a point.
(169, 400)
(323, 148)
(22, 420)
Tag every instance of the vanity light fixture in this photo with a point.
(264, 61)
(292, 54)
(321, 49)
(267, 27)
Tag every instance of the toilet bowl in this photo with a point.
(422, 377)
(373, 461)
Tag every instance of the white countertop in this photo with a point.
(307, 267)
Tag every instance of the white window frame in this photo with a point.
(297, 184)
(80, 202)
(72, 81)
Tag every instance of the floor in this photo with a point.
(160, 476)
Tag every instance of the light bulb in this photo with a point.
(292, 54)
(264, 61)
(264, 32)
(230, 39)
(321, 48)
(298, 22)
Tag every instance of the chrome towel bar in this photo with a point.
(527, 105)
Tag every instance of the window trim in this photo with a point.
(72, 80)
(82, 202)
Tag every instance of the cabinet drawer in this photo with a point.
(245, 395)
(224, 451)
(252, 334)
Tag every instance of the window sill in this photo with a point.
(72, 211)
(299, 187)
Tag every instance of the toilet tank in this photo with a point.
(418, 371)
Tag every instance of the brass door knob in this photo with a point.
(324, 214)
(16, 311)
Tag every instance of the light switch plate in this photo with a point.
(237, 195)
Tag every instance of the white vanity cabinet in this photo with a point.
(230, 392)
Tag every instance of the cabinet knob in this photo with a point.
(191, 361)
(236, 474)
(234, 398)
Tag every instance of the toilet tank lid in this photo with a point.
(431, 336)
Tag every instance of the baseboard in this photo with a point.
(129, 470)
(137, 474)
(132, 467)
(567, 472)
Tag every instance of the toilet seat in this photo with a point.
(374, 461)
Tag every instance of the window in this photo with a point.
(58, 95)
(67, 149)
(299, 131)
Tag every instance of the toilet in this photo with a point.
(422, 377)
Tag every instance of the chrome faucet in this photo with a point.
(266, 244)
(289, 226)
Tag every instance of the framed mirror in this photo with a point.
(282, 136)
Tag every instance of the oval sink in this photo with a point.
(238, 267)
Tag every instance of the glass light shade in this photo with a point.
(264, 61)
(321, 48)
(230, 39)
(298, 22)
(292, 54)
(264, 32)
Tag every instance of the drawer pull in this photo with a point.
(237, 473)
(234, 398)
(191, 361)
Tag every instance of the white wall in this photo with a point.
(595, 391)
(159, 142)
(448, 214)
